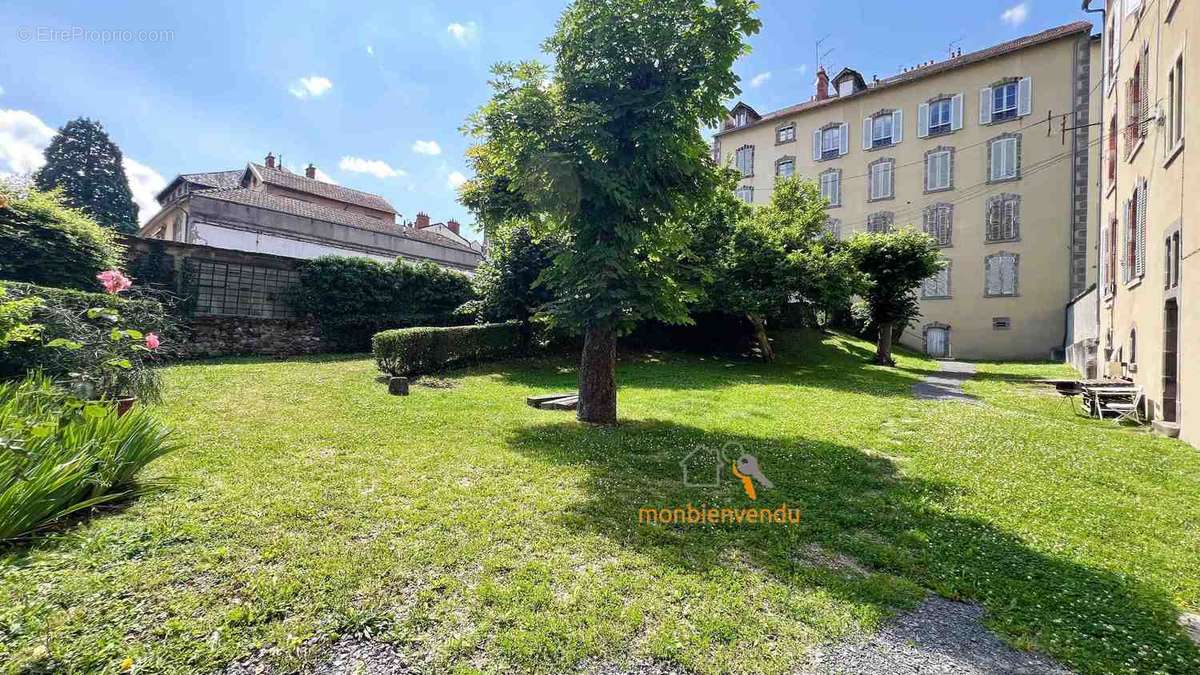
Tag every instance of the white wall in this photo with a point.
(240, 240)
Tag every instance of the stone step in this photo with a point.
(537, 401)
(567, 403)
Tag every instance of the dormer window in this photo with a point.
(741, 118)
(845, 88)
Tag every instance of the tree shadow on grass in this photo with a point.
(858, 504)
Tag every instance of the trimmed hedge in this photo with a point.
(416, 351)
(354, 298)
(143, 315)
(46, 242)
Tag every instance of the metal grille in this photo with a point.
(227, 289)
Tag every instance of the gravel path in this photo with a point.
(946, 384)
(939, 636)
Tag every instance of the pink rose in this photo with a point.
(114, 282)
(152, 341)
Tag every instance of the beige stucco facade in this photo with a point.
(1153, 282)
(1047, 252)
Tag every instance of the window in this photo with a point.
(1001, 323)
(1000, 274)
(1137, 111)
(1003, 218)
(831, 186)
(882, 177)
(1006, 100)
(1173, 260)
(1175, 104)
(741, 118)
(745, 160)
(880, 221)
(1109, 241)
(938, 221)
(1004, 158)
(716, 151)
(1133, 346)
(833, 227)
(938, 285)
(785, 167)
(1133, 243)
(940, 115)
(785, 134)
(939, 163)
(881, 131)
(830, 142)
(1112, 151)
(745, 193)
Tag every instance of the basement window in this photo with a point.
(1001, 323)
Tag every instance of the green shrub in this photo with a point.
(415, 351)
(63, 314)
(354, 298)
(45, 242)
(61, 456)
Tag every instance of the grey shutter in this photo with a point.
(1124, 252)
(897, 126)
(1140, 243)
(1025, 96)
(956, 112)
(996, 151)
(985, 105)
(923, 120)
(751, 161)
(1010, 274)
(867, 133)
(845, 139)
(816, 153)
(992, 279)
(1118, 19)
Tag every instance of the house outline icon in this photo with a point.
(694, 476)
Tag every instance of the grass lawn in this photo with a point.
(478, 533)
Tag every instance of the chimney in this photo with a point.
(453, 225)
(422, 220)
(822, 84)
(270, 161)
(310, 171)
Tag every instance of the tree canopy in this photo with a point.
(606, 153)
(86, 165)
(893, 265)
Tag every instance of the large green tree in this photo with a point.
(607, 154)
(85, 164)
(776, 255)
(893, 265)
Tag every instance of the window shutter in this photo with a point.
(923, 120)
(750, 161)
(1125, 241)
(845, 143)
(1025, 96)
(897, 126)
(992, 281)
(837, 188)
(997, 154)
(1118, 19)
(866, 133)
(1141, 230)
(1144, 98)
(956, 112)
(816, 153)
(1010, 274)
(985, 105)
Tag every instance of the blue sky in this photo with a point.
(374, 93)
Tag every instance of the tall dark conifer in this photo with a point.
(84, 162)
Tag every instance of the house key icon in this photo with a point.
(745, 468)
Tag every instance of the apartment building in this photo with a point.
(1149, 321)
(960, 149)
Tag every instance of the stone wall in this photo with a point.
(250, 318)
(250, 336)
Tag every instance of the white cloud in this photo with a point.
(802, 69)
(324, 178)
(455, 179)
(144, 182)
(24, 137)
(463, 32)
(760, 79)
(427, 148)
(375, 167)
(313, 85)
(1, 91)
(1016, 15)
(370, 50)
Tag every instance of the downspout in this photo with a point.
(1103, 91)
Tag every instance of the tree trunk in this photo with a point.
(597, 375)
(883, 349)
(760, 336)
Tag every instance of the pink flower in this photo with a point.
(114, 282)
(152, 341)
